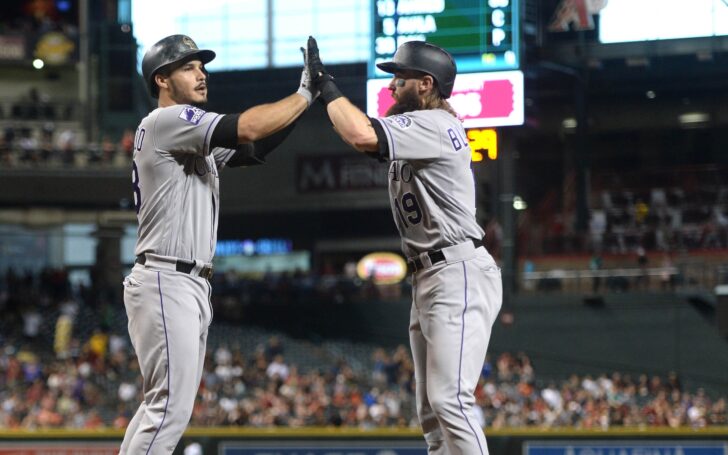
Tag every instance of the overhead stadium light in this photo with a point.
(519, 204)
(569, 123)
(692, 118)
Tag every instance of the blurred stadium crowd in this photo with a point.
(65, 362)
(42, 142)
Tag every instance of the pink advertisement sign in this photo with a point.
(481, 99)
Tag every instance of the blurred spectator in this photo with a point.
(597, 229)
(595, 265)
(667, 275)
(97, 345)
(528, 268)
(642, 280)
(277, 368)
(32, 320)
(193, 449)
(127, 392)
(5, 152)
(66, 145)
(641, 211)
(380, 360)
(108, 149)
(62, 338)
(273, 348)
(117, 344)
(28, 147)
(493, 238)
(126, 144)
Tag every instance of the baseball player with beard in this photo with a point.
(179, 152)
(457, 289)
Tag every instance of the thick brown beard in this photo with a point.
(408, 101)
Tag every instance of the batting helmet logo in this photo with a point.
(186, 40)
(425, 58)
(167, 52)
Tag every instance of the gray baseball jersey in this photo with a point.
(431, 185)
(176, 191)
(166, 296)
(456, 286)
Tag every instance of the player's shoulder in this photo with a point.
(408, 119)
(443, 116)
(183, 113)
(427, 118)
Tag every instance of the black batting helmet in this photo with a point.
(168, 51)
(426, 58)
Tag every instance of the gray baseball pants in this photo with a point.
(169, 313)
(454, 306)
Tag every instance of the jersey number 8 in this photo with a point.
(138, 140)
(135, 186)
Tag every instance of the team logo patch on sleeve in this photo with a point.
(401, 121)
(191, 114)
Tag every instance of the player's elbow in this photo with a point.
(365, 146)
(363, 141)
(249, 130)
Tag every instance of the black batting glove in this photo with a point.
(323, 81)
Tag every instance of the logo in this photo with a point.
(382, 268)
(187, 41)
(401, 121)
(55, 48)
(192, 114)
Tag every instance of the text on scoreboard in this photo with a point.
(482, 35)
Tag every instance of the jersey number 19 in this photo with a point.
(411, 207)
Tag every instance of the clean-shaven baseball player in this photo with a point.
(457, 289)
(179, 152)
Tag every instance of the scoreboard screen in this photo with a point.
(482, 35)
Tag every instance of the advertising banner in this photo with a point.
(626, 448)
(480, 99)
(319, 451)
(59, 448)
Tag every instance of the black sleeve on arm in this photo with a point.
(382, 154)
(250, 154)
(244, 156)
(267, 144)
(226, 132)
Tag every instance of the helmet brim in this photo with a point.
(205, 55)
(391, 67)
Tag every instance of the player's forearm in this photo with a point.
(265, 119)
(353, 125)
